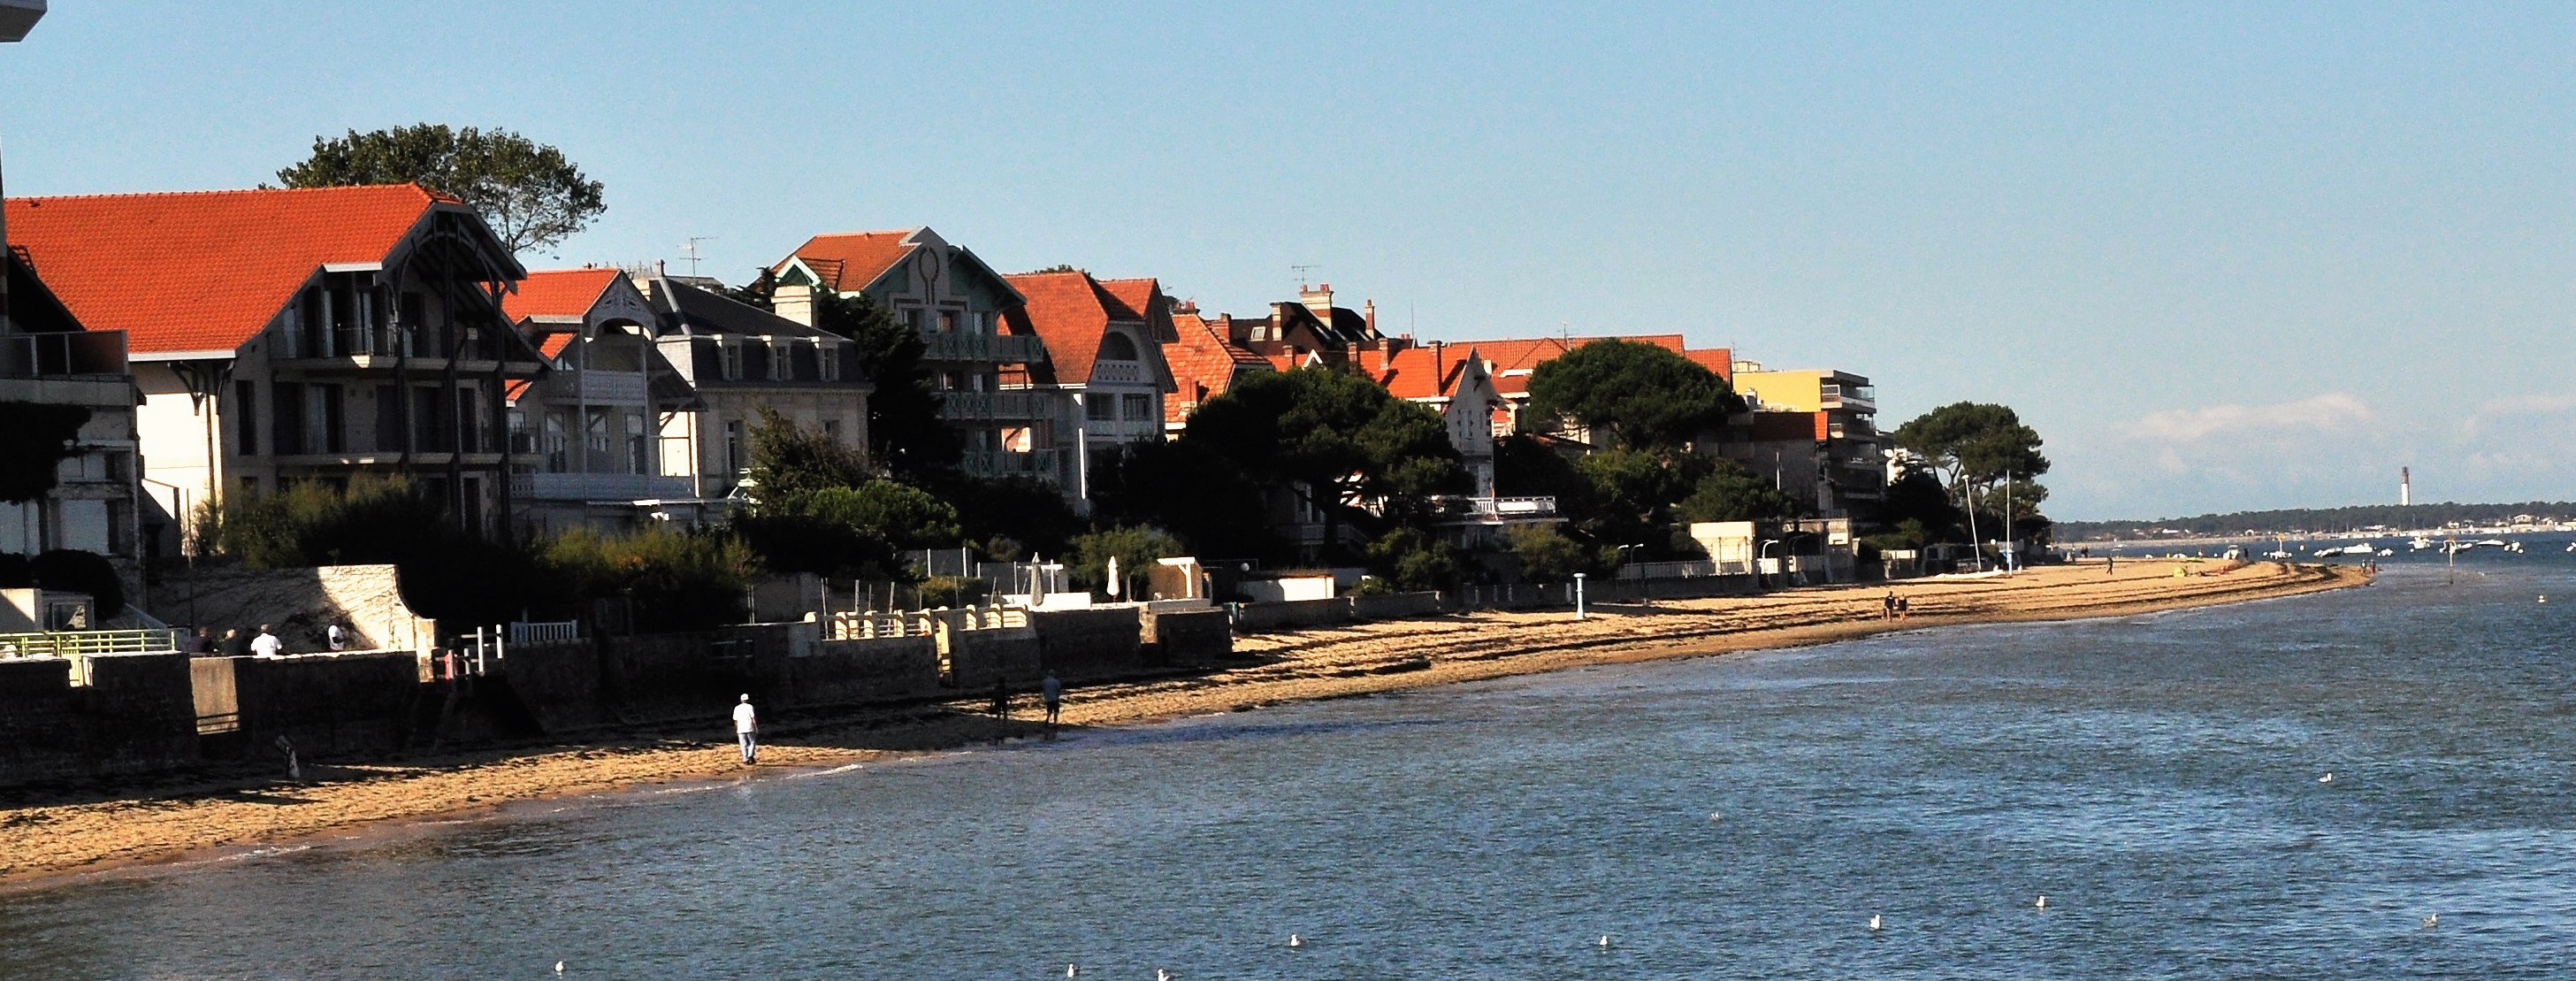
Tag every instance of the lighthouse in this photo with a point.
(2405, 487)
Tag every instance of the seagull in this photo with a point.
(1605, 942)
(2328, 778)
(558, 967)
(1296, 941)
(1162, 975)
(2043, 901)
(1071, 970)
(2432, 921)
(1873, 921)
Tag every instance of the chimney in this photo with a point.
(1319, 299)
(794, 301)
(1369, 309)
(661, 268)
(1437, 372)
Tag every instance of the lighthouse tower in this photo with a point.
(2405, 487)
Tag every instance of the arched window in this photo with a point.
(1116, 347)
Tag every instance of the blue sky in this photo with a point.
(2222, 256)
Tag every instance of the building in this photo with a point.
(1512, 361)
(47, 359)
(955, 303)
(592, 430)
(298, 335)
(1104, 367)
(740, 361)
(1204, 361)
(1311, 331)
(1841, 465)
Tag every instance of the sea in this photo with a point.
(1893, 807)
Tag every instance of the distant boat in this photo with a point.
(2386, 552)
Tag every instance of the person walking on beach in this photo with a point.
(1887, 607)
(267, 644)
(746, 727)
(1053, 690)
(1904, 606)
(1001, 701)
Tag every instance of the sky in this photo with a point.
(2223, 256)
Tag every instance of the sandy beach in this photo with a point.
(50, 832)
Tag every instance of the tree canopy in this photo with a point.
(1650, 397)
(1335, 438)
(1976, 441)
(527, 191)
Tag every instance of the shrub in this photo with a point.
(1135, 547)
(675, 580)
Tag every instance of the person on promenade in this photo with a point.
(267, 644)
(338, 639)
(746, 727)
(1054, 692)
(236, 645)
(203, 643)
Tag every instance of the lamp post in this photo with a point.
(1760, 556)
(1578, 596)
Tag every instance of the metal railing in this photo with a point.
(64, 354)
(1500, 507)
(1006, 463)
(599, 487)
(995, 405)
(545, 632)
(81, 643)
(1673, 570)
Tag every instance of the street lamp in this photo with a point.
(1578, 596)
(1762, 555)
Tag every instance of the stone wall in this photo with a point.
(1078, 643)
(1187, 638)
(329, 706)
(976, 657)
(1396, 606)
(299, 604)
(134, 716)
(850, 672)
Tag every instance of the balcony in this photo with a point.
(975, 406)
(598, 387)
(89, 353)
(1488, 510)
(964, 346)
(1005, 463)
(600, 487)
(1861, 397)
(1117, 371)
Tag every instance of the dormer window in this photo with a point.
(1116, 347)
(827, 360)
(729, 358)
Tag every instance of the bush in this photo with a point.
(952, 591)
(1416, 561)
(675, 580)
(1547, 555)
(1135, 547)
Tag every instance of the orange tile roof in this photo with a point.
(1204, 363)
(1410, 374)
(1137, 294)
(849, 261)
(557, 293)
(205, 270)
(1528, 353)
(1070, 312)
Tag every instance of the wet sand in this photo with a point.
(49, 833)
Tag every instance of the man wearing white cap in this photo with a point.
(745, 725)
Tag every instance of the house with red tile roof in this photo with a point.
(955, 302)
(281, 336)
(1311, 331)
(609, 428)
(1104, 365)
(1204, 361)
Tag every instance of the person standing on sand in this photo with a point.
(1903, 607)
(1001, 706)
(1054, 692)
(1887, 607)
(746, 727)
(2110, 565)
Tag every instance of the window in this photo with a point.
(286, 414)
(321, 418)
(827, 360)
(730, 360)
(918, 319)
(832, 430)
(246, 404)
(1139, 407)
(948, 321)
(780, 369)
(733, 457)
(1100, 408)
(1116, 347)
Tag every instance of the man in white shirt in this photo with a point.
(267, 644)
(745, 725)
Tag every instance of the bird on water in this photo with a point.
(558, 967)
(1604, 942)
(1296, 941)
(2432, 921)
(2043, 901)
(1873, 921)
(2328, 778)
(1071, 970)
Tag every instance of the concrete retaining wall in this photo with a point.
(976, 657)
(135, 716)
(328, 706)
(1187, 637)
(1397, 606)
(849, 672)
(1255, 617)
(1076, 643)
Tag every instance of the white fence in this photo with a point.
(550, 632)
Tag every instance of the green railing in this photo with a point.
(82, 643)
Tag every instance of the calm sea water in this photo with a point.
(2155, 777)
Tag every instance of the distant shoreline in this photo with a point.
(153, 822)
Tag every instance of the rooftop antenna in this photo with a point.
(1301, 271)
(691, 247)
